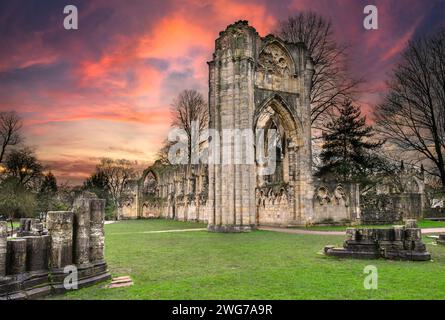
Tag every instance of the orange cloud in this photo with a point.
(116, 113)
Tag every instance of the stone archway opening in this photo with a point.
(275, 191)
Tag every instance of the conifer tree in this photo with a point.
(348, 151)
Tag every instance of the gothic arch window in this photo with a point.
(150, 186)
(275, 116)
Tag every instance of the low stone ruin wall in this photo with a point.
(32, 264)
(397, 243)
(336, 202)
(434, 213)
(390, 208)
(441, 239)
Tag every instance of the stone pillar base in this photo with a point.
(230, 228)
(37, 284)
(88, 275)
(29, 285)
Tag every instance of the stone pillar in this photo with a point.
(231, 103)
(60, 227)
(305, 151)
(411, 223)
(16, 253)
(3, 247)
(97, 236)
(81, 230)
(37, 252)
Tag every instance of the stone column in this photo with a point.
(3, 247)
(81, 235)
(231, 102)
(37, 252)
(16, 256)
(97, 236)
(305, 152)
(60, 227)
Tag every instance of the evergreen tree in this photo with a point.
(98, 184)
(47, 195)
(49, 184)
(348, 152)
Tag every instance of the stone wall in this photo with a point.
(274, 205)
(390, 208)
(32, 263)
(336, 202)
(180, 193)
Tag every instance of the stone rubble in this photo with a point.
(396, 243)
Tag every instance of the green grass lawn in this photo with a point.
(256, 265)
(420, 223)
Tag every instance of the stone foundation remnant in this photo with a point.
(31, 227)
(441, 240)
(396, 243)
(33, 264)
(3, 246)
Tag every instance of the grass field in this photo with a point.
(420, 223)
(256, 265)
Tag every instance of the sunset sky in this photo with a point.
(105, 89)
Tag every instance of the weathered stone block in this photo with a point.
(411, 223)
(16, 256)
(3, 248)
(60, 227)
(412, 234)
(30, 227)
(37, 252)
(81, 235)
(385, 234)
(397, 243)
(97, 236)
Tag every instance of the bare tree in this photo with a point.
(10, 127)
(412, 115)
(23, 165)
(162, 155)
(331, 83)
(118, 173)
(188, 108)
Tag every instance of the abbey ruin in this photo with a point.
(39, 258)
(259, 83)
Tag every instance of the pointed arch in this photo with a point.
(291, 123)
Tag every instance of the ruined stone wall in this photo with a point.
(390, 208)
(274, 205)
(181, 194)
(32, 262)
(396, 243)
(336, 202)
